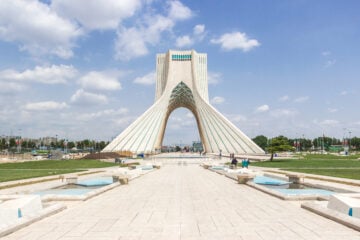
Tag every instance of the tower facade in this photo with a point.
(181, 81)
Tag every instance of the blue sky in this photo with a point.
(85, 68)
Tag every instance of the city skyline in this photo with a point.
(87, 71)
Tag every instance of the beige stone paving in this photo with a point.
(185, 202)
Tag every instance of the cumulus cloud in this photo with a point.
(279, 113)
(100, 81)
(130, 44)
(343, 93)
(326, 53)
(187, 41)
(236, 40)
(83, 98)
(54, 74)
(236, 118)
(11, 87)
(214, 78)
(329, 63)
(199, 29)
(177, 123)
(94, 14)
(184, 41)
(134, 42)
(45, 106)
(329, 122)
(301, 99)
(262, 108)
(190, 115)
(179, 11)
(37, 28)
(148, 79)
(284, 98)
(217, 100)
(103, 113)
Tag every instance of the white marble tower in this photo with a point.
(181, 81)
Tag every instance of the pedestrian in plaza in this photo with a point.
(234, 162)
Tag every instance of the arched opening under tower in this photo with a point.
(181, 129)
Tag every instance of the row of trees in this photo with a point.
(14, 144)
(282, 143)
(303, 144)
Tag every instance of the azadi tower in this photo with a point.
(181, 81)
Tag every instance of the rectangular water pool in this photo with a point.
(292, 189)
(80, 188)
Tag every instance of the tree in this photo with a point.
(261, 141)
(355, 142)
(323, 142)
(279, 144)
(2, 144)
(71, 145)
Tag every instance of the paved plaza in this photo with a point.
(184, 201)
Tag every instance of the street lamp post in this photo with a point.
(349, 141)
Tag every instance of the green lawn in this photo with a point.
(321, 164)
(24, 170)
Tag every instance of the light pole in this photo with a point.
(19, 141)
(349, 141)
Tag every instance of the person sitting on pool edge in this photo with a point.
(245, 163)
(234, 162)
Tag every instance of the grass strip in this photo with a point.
(334, 172)
(33, 169)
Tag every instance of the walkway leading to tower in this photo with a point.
(185, 202)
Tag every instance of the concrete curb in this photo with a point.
(25, 221)
(341, 218)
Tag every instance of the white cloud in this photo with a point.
(199, 29)
(184, 41)
(94, 14)
(148, 79)
(36, 28)
(278, 113)
(343, 93)
(301, 99)
(214, 78)
(129, 44)
(134, 42)
(236, 40)
(155, 26)
(217, 100)
(332, 110)
(236, 118)
(82, 97)
(329, 122)
(54, 74)
(101, 114)
(187, 41)
(45, 106)
(178, 11)
(190, 115)
(326, 53)
(284, 98)
(329, 63)
(262, 108)
(99, 81)
(11, 87)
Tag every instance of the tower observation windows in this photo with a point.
(181, 57)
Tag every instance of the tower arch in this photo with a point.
(182, 82)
